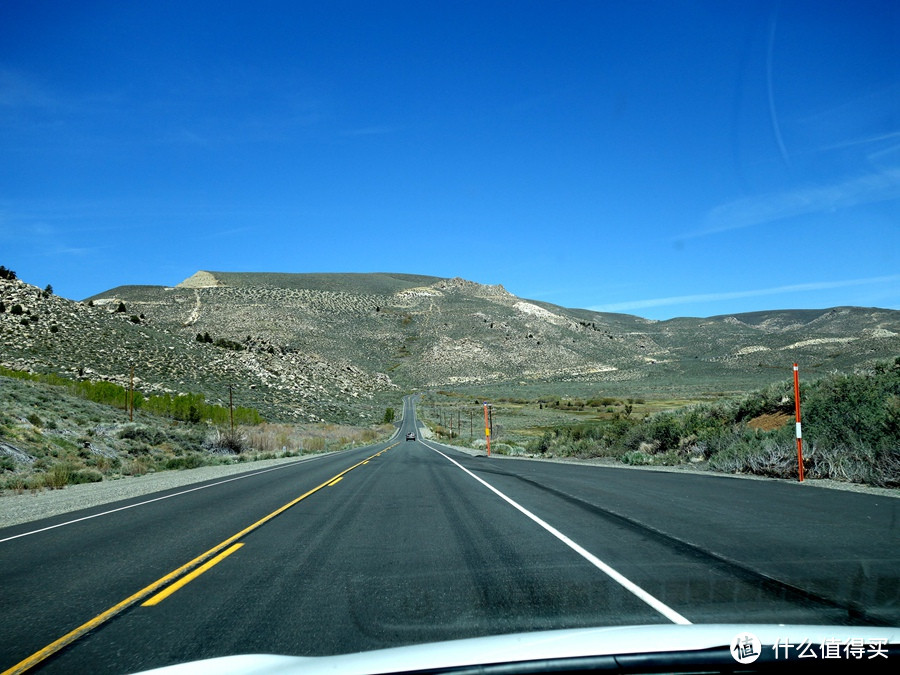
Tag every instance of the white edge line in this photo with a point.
(628, 585)
(150, 501)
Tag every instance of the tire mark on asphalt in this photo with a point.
(782, 589)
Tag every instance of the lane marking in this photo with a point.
(157, 499)
(82, 630)
(166, 592)
(336, 481)
(627, 584)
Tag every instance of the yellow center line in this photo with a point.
(166, 592)
(336, 481)
(103, 617)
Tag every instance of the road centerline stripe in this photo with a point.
(620, 579)
(82, 630)
(186, 579)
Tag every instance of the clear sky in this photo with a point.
(659, 158)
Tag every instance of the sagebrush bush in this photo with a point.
(189, 461)
(144, 434)
(85, 476)
(851, 427)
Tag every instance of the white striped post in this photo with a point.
(799, 432)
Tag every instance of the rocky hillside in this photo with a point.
(102, 340)
(337, 346)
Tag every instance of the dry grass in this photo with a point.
(287, 438)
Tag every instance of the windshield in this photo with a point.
(334, 327)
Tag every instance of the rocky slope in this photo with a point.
(93, 340)
(337, 346)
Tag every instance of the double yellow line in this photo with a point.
(195, 567)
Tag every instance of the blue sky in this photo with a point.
(656, 158)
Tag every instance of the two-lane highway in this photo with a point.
(408, 542)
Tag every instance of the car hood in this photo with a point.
(535, 646)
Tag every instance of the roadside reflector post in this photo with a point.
(797, 413)
(487, 429)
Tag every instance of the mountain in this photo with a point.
(339, 346)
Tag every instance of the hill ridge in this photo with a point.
(338, 346)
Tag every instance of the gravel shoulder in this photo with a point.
(29, 506)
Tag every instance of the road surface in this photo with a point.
(409, 542)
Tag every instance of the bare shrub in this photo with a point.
(225, 442)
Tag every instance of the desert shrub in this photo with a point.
(135, 467)
(761, 453)
(85, 476)
(189, 461)
(35, 420)
(636, 458)
(144, 434)
(855, 412)
(58, 476)
(663, 431)
(773, 399)
(139, 448)
(582, 440)
(15, 482)
(229, 344)
(104, 464)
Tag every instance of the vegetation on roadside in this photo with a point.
(182, 407)
(53, 436)
(851, 429)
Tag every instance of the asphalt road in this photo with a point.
(408, 542)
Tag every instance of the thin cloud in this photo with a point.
(742, 213)
(369, 131)
(733, 295)
(77, 250)
(863, 141)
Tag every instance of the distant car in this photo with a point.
(411, 436)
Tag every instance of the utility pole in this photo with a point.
(131, 409)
